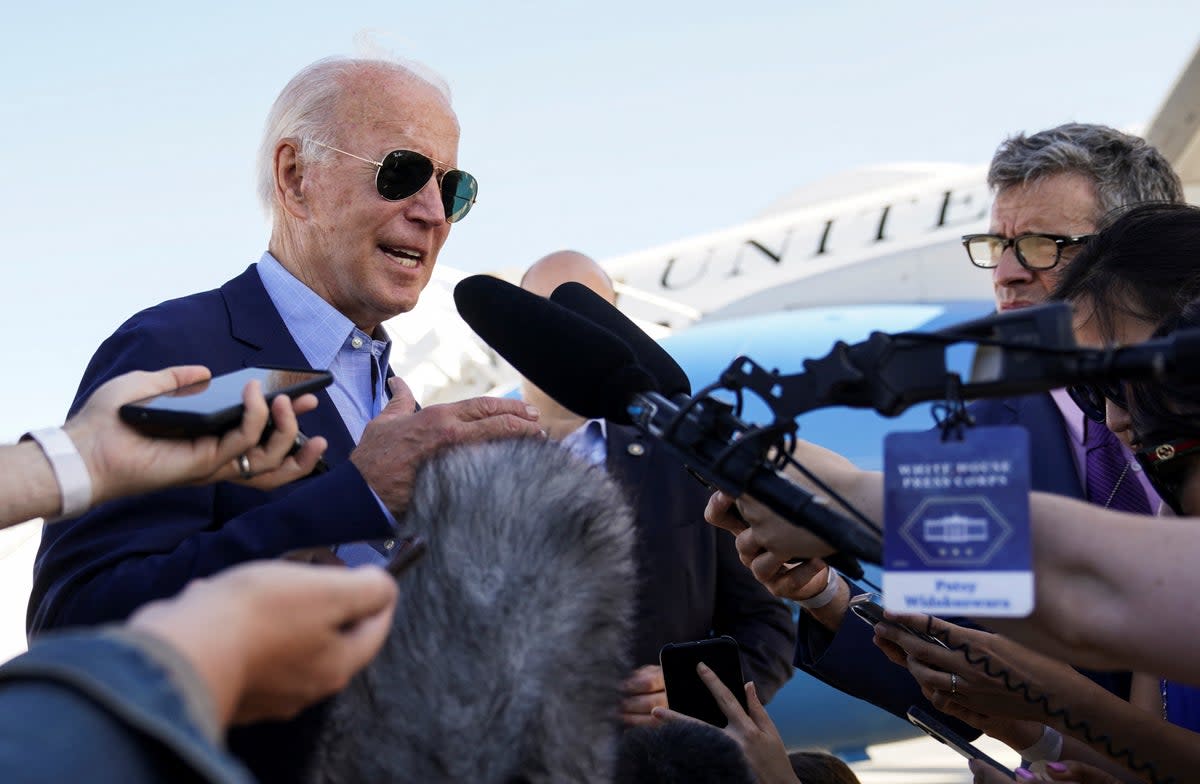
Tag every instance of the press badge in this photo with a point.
(956, 523)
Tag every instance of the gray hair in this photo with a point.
(511, 638)
(306, 109)
(1124, 168)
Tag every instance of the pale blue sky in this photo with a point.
(129, 129)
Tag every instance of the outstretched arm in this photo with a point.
(120, 461)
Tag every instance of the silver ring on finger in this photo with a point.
(243, 467)
(954, 683)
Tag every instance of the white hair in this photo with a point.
(306, 109)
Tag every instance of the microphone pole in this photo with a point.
(702, 434)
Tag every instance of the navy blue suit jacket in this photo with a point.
(104, 565)
(691, 583)
(850, 662)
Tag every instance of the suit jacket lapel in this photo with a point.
(254, 322)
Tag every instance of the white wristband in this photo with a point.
(1048, 748)
(826, 595)
(74, 482)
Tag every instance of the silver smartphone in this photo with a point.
(869, 607)
(938, 731)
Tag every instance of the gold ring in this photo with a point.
(243, 467)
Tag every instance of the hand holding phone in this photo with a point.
(939, 731)
(686, 692)
(869, 608)
(214, 406)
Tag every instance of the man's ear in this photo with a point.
(289, 178)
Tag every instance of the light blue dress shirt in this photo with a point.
(589, 442)
(357, 361)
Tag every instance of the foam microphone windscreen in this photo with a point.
(581, 365)
(654, 358)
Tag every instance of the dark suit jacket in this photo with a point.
(692, 584)
(102, 566)
(850, 662)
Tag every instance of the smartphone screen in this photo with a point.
(939, 731)
(686, 693)
(214, 406)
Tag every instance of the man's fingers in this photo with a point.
(748, 546)
(305, 403)
(482, 408)
(306, 459)
(178, 376)
(502, 426)
(355, 594)
(403, 401)
(720, 512)
(766, 568)
(364, 639)
(245, 436)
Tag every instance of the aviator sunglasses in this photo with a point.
(404, 172)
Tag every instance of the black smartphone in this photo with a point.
(939, 731)
(214, 406)
(686, 693)
(869, 607)
(407, 552)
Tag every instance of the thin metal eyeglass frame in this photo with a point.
(439, 174)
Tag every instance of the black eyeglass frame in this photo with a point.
(1061, 242)
(1091, 398)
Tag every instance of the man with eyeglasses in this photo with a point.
(1053, 190)
(358, 170)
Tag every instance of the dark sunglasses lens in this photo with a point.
(1115, 393)
(1089, 400)
(459, 191)
(403, 173)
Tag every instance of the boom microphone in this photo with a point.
(581, 300)
(577, 363)
(595, 374)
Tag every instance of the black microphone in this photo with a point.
(579, 299)
(582, 366)
(594, 373)
(1176, 356)
(671, 378)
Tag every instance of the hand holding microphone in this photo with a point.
(593, 371)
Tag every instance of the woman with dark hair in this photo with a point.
(1142, 268)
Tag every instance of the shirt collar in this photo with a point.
(1074, 419)
(318, 328)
